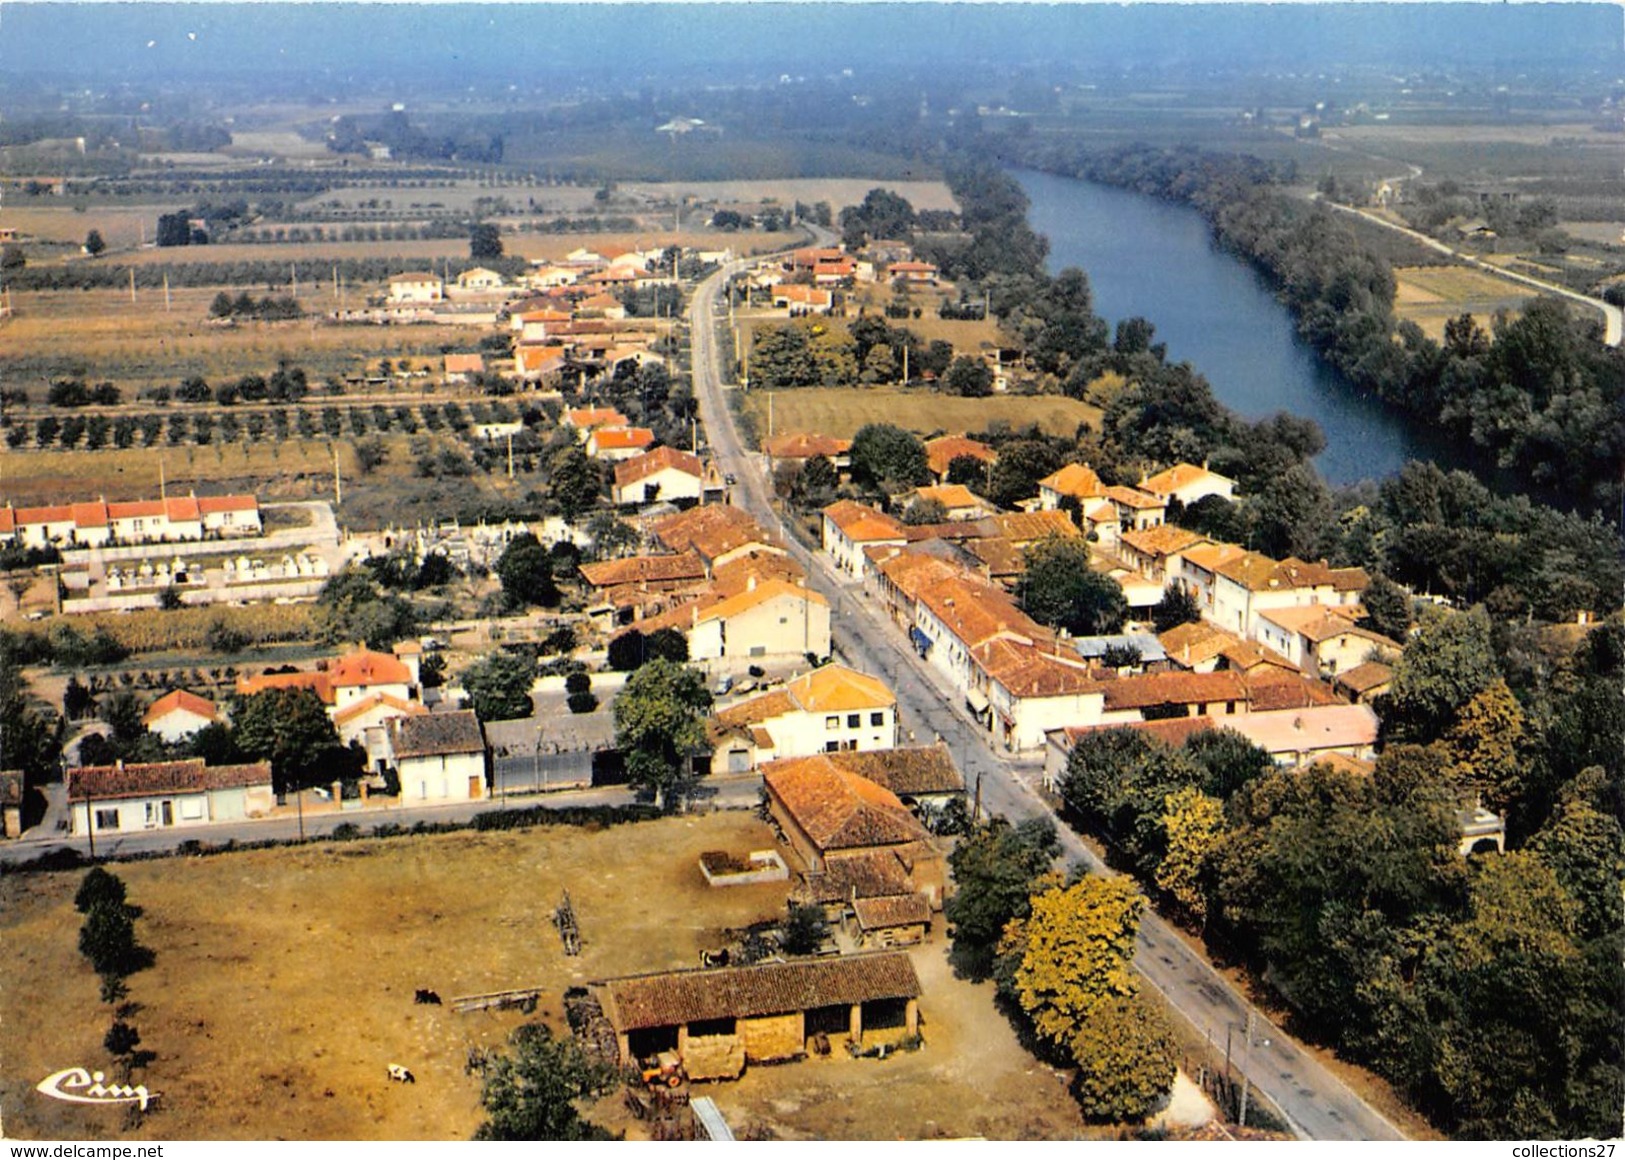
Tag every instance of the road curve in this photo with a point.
(1316, 1103)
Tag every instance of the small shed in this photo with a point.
(894, 921)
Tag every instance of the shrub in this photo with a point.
(582, 702)
(577, 683)
(99, 886)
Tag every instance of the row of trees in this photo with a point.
(1482, 986)
(107, 939)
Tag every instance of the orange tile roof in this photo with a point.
(1131, 497)
(583, 417)
(89, 515)
(1023, 528)
(763, 592)
(617, 438)
(800, 445)
(1212, 557)
(1180, 475)
(179, 700)
(940, 453)
(1173, 688)
(464, 364)
(1362, 678)
(373, 701)
(134, 780)
(839, 810)
(631, 471)
(976, 610)
(953, 495)
(712, 530)
(317, 682)
(836, 688)
(365, 667)
(1162, 540)
(1027, 670)
(1269, 687)
(1077, 479)
(684, 566)
(861, 523)
(211, 504)
(1193, 644)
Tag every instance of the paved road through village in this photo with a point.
(1317, 1104)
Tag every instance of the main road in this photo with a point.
(1317, 1105)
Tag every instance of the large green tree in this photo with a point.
(531, 1092)
(525, 569)
(1059, 588)
(354, 608)
(290, 728)
(1450, 661)
(575, 481)
(498, 686)
(885, 457)
(1126, 1058)
(994, 867)
(660, 728)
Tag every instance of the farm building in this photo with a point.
(150, 796)
(769, 1010)
(440, 756)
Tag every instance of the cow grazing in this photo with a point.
(716, 959)
(400, 1075)
(426, 996)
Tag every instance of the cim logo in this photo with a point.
(75, 1085)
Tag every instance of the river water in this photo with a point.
(1158, 260)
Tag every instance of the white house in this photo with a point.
(179, 714)
(1320, 640)
(123, 799)
(828, 710)
(770, 619)
(1188, 483)
(850, 527)
(1075, 481)
(439, 757)
(665, 474)
(407, 288)
(479, 280)
(367, 721)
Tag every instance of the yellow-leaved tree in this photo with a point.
(1076, 948)
(1193, 824)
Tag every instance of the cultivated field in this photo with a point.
(840, 411)
(1432, 295)
(124, 226)
(284, 982)
(839, 192)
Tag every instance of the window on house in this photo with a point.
(877, 718)
(854, 720)
(107, 819)
(832, 722)
(832, 746)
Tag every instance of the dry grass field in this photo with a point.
(1432, 295)
(840, 411)
(284, 983)
(839, 192)
(121, 227)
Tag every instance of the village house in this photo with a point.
(1136, 510)
(957, 500)
(1076, 481)
(533, 363)
(666, 475)
(941, 452)
(827, 813)
(717, 533)
(440, 757)
(613, 444)
(719, 1020)
(1364, 682)
(350, 678)
(179, 714)
(415, 288)
(800, 300)
(1321, 640)
(130, 798)
(549, 277)
(366, 723)
(850, 527)
(922, 776)
(584, 420)
(479, 280)
(827, 710)
(1234, 586)
(460, 368)
(1188, 483)
(913, 273)
(799, 447)
(1021, 689)
(1156, 696)
(98, 523)
(1157, 553)
(769, 620)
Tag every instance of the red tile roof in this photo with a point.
(180, 701)
(678, 997)
(631, 471)
(684, 566)
(805, 446)
(101, 782)
(839, 810)
(1173, 688)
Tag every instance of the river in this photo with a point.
(1158, 260)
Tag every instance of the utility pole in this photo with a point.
(166, 292)
(132, 285)
(338, 482)
(510, 456)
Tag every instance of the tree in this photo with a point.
(1126, 1058)
(804, 931)
(99, 887)
(1387, 608)
(499, 686)
(530, 1093)
(1487, 744)
(574, 481)
(289, 728)
(94, 245)
(1074, 950)
(1193, 825)
(355, 608)
(1021, 464)
(1178, 606)
(122, 1039)
(884, 456)
(813, 486)
(968, 470)
(1059, 588)
(995, 867)
(107, 939)
(484, 242)
(660, 727)
(970, 377)
(525, 569)
(925, 510)
(1450, 661)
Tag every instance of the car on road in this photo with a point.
(724, 686)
